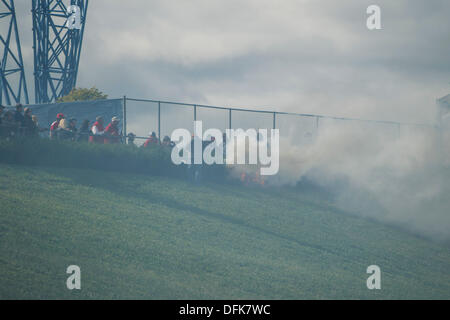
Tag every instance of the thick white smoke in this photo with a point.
(399, 177)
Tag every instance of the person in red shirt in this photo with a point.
(55, 125)
(98, 131)
(112, 134)
(151, 141)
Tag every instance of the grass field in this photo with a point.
(161, 238)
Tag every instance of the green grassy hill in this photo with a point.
(152, 237)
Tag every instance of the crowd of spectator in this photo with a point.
(22, 123)
(19, 122)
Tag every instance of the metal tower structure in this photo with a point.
(57, 39)
(13, 87)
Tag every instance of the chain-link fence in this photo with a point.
(143, 116)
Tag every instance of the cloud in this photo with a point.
(299, 56)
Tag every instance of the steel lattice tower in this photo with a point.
(13, 87)
(56, 48)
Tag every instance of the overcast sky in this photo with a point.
(311, 56)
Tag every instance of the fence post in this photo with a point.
(440, 136)
(274, 120)
(229, 119)
(195, 117)
(124, 124)
(159, 120)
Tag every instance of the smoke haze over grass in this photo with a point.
(396, 179)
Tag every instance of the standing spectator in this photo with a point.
(18, 115)
(1, 113)
(36, 123)
(19, 118)
(167, 143)
(131, 136)
(55, 125)
(67, 129)
(35, 120)
(2, 108)
(28, 123)
(9, 127)
(112, 134)
(84, 132)
(61, 132)
(97, 131)
(73, 127)
(151, 141)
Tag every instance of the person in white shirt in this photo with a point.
(97, 131)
